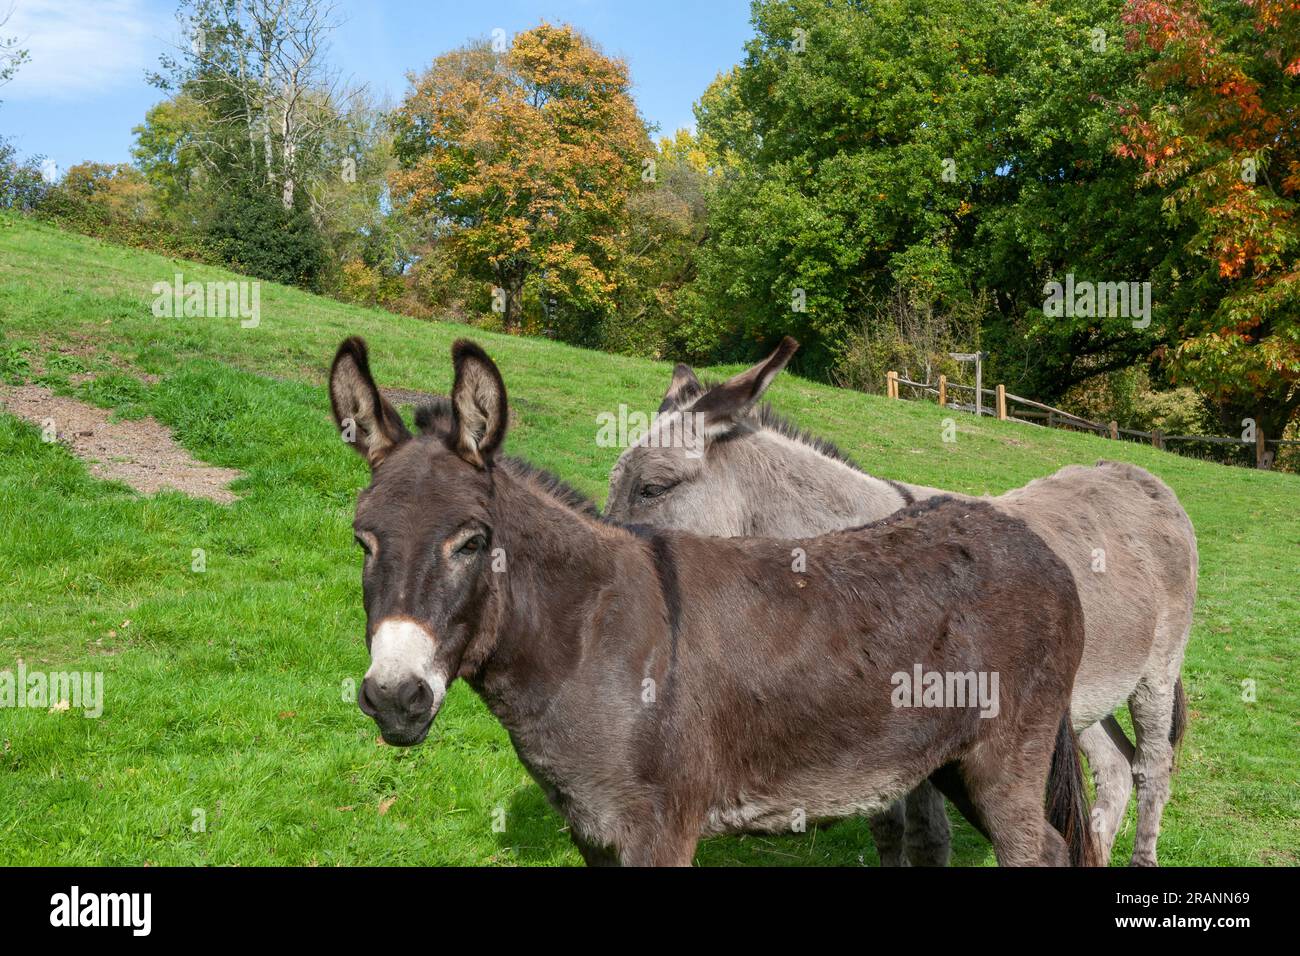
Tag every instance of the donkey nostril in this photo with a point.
(415, 697)
(366, 699)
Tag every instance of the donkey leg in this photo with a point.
(928, 833)
(1013, 813)
(665, 851)
(1006, 779)
(1011, 845)
(665, 842)
(998, 803)
(1112, 773)
(1151, 706)
(887, 828)
(594, 855)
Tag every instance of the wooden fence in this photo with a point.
(1036, 413)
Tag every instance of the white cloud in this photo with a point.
(80, 48)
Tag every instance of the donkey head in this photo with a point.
(426, 531)
(697, 485)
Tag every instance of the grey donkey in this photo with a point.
(1120, 530)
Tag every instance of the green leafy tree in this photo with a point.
(957, 150)
(22, 187)
(255, 234)
(668, 217)
(168, 149)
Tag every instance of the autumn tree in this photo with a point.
(108, 192)
(1218, 137)
(522, 161)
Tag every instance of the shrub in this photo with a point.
(1127, 397)
(905, 336)
(253, 233)
(22, 187)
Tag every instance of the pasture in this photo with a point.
(228, 734)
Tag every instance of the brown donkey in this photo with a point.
(662, 687)
(1120, 530)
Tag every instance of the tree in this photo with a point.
(523, 161)
(102, 194)
(959, 149)
(256, 235)
(373, 242)
(168, 149)
(22, 187)
(1217, 138)
(668, 218)
(256, 73)
(11, 57)
(256, 114)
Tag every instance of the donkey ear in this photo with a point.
(726, 404)
(478, 405)
(683, 389)
(365, 419)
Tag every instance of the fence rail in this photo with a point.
(1036, 413)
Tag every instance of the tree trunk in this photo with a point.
(289, 149)
(514, 288)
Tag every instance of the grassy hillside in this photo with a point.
(226, 690)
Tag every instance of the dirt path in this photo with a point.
(140, 453)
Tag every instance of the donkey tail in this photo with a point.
(1178, 726)
(1067, 801)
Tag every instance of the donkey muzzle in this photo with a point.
(404, 714)
(403, 689)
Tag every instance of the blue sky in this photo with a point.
(84, 87)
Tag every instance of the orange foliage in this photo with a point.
(1225, 143)
(524, 161)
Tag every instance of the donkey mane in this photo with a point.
(435, 418)
(765, 416)
(769, 418)
(553, 485)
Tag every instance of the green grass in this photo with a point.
(227, 691)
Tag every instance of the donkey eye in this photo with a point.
(473, 545)
(654, 491)
(364, 545)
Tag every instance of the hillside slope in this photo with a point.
(227, 690)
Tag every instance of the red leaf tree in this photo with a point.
(1220, 135)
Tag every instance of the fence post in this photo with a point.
(1261, 450)
(1158, 438)
(1002, 403)
(943, 391)
(1114, 430)
(891, 384)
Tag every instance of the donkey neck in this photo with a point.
(557, 564)
(817, 493)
